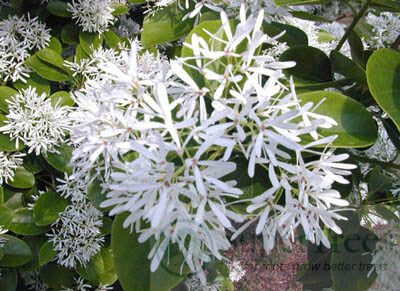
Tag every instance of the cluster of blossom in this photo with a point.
(271, 11)
(33, 120)
(193, 283)
(162, 143)
(76, 234)
(19, 36)
(386, 257)
(33, 281)
(93, 15)
(236, 271)
(385, 28)
(8, 164)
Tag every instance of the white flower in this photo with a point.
(19, 37)
(92, 15)
(33, 281)
(236, 271)
(8, 164)
(386, 27)
(34, 121)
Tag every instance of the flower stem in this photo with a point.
(353, 24)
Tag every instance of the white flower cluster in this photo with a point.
(92, 15)
(8, 164)
(33, 281)
(386, 257)
(236, 271)
(163, 144)
(386, 28)
(19, 36)
(34, 121)
(193, 283)
(76, 233)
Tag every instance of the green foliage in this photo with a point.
(47, 208)
(383, 75)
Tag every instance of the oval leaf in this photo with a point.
(60, 161)
(5, 94)
(349, 114)
(346, 67)
(22, 179)
(24, 223)
(62, 98)
(47, 208)
(383, 75)
(16, 252)
(46, 253)
(57, 277)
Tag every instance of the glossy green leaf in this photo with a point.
(55, 45)
(133, 267)
(383, 75)
(137, 1)
(24, 223)
(16, 252)
(90, 41)
(309, 16)
(119, 9)
(346, 67)
(80, 54)
(60, 161)
(50, 56)
(13, 200)
(22, 179)
(59, 8)
(312, 65)
(41, 85)
(57, 277)
(8, 280)
(99, 270)
(62, 98)
(5, 94)
(47, 70)
(356, 48)
(348, 114)
(47, 208)
(165, 26)
(112, 39)
(35, 243)
(298, 2)
(32, 163)
(6, 216)
(293, 36)
(6, 144)
(70, 34)
(97, 196)
(46, 253)
(352, 253)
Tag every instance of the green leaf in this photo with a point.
(22, 179)
(80, 54)
(293, 36)
(41, 85)
(16, 252)
(356, 48)
(62, 98)
(309, 16)
(90, 41)
(46, 253)
(47, 70)
(112, 39)
(6, 216)
(346, 67)
(70, 34)
(1, 196)
(352, 253)
(60, 161)
(8, 280)
(132, 265)
(51, 57)
(55, 45)
(47, 208)
(59, 8)
(312, 64)
(165, 26)
(57, 277)
(97, 196)
(35, 243)
(24, 223)
(5, 142)
(5, 94)
(119, 9)
(348, 114)
(13, 200)
(298, 2)
(99, 270)
(137, 1)
(383, 75)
